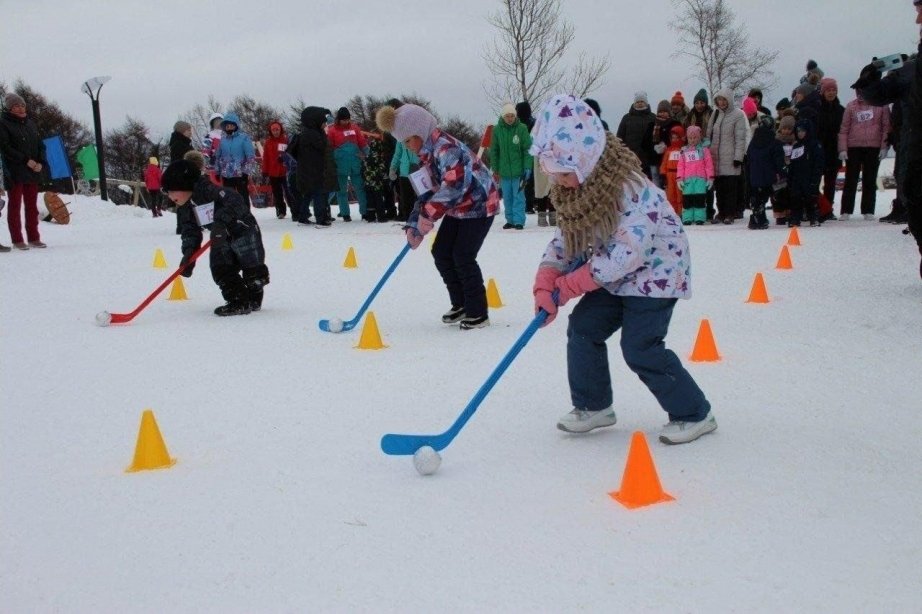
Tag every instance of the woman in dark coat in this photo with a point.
(23, 154)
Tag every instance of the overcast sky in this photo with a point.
(165, 56)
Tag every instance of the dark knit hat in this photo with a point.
(811, 65)
(11, 100)
(343, 113)
(784, 103)
(702, 95)
(594, 105)
(180, 176)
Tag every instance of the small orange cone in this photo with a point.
(351, 262)
(287, 245)
(159, 260)
(705, 349)
(758, 294)
(150, 452)
(493, 299)
(371, 337)
(784, 260)
(794, 237)
(178, 291)
(640, 484)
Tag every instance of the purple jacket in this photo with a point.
(864, 125)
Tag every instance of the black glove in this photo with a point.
(187, 260)
(869, 74)
(737, 164)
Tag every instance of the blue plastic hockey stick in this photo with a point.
(350, 324)
(408, 444)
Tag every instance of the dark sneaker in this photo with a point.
(471, 323)
(347, 218)
(37, 244)
(234, 308)
(21, 246)
(507, 226)
(519, 227)
(5, 248)
(453, 315)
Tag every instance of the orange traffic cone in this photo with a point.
(640, 484)
(705, 349)
(784, 260)
(371, 337)
(758, 294)
(150, 452)
(794, 237)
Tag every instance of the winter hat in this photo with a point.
(523, 110)
(828, 84)
(788, 122)
(750, 108)
(726, 94)
(180, 176)
(153, 160)
(811, 65)
(213, 117)
(664, 107)
(12, 100)
(784, 103)
(568, 136)
(804, 89)
(508, 109)
(409, 120)
(693, 130)
(641, 96)
(343, 113)
(594, 105)
(182, 127)
(702, 95)
(230, 118)
(678, 99)
(678, 131)
(195, 157)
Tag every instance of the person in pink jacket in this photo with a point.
(695, 177)
(862, 145)
(152, 183)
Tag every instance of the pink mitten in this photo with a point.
(414, 238)
(424, 225)
(575, 284)
(544, 290)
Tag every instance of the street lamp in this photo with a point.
(91, 88)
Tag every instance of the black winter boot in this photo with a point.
(233, 308)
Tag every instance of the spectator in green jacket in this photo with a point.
(510, 160)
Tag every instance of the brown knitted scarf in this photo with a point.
(588, 215)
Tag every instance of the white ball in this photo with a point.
(336, 325)
(103, 318)
(426, 460)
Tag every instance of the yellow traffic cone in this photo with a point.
(286, 242)
(178, 291)
(493, 299)
(150, 452)
(371, 337)
(159, 260)
(351, 262)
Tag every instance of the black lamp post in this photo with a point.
(91, 88)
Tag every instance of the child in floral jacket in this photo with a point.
(620, 249)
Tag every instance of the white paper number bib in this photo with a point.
(204, 214)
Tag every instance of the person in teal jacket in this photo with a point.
(403, 163)
(510, 160)
(235, 159)
(349, 150)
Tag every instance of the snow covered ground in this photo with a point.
(806, 498)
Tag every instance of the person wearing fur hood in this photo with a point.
(622, 251)
(452, 183)
(726, 132)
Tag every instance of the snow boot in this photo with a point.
(472, 323)
(584, 420)
(453, 315)
(677, 431)
(542, 218)
(552, 218)
(233, 308)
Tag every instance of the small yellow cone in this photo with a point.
(159, 260)
(178, 291)
(286, 242)
(351, 262)
(493, 299)
(371, 337)
(150, 451)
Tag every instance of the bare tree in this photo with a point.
(525, 58)
(719, 47)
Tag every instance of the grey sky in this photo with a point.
(168, 55)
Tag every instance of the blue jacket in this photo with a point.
(235, 156)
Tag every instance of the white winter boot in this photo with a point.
(583, 420)
(683, 432)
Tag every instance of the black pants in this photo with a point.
(377, 207)
(530, 195)
(803, 205)
(758, 198)
(727, 190)
(278, 194)
(866, 161)
(455, 252)
(406, 198)
(240, 184)
(238, 266)
(829, 178)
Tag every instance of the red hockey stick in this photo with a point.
(104, 318)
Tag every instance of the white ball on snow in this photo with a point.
(426, 460)
(103, 318)
(336, 325)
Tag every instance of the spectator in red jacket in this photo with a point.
(273, 169)
(152, 183)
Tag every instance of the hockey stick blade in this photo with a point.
(402, 445)
(350, 324)
(124, 318)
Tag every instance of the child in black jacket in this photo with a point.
(765, 166)
(237, 254)
(804, 174)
